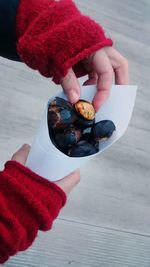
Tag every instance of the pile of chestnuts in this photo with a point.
(73, 130)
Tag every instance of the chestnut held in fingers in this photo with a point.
(85, 109)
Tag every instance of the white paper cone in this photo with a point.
(46, 160)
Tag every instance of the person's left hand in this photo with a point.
(103, 67)
(66, 184)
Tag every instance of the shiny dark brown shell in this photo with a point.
(82, 149)
(67, 138)
(60, 114)
(102, 130)
(83, 123)
(87, 137)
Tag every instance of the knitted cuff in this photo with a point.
(44, 197)
(56, 37)
(28, 203)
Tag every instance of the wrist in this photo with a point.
(56, 37)
(45, 197)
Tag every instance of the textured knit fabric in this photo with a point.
(54, 36)
(28, 203)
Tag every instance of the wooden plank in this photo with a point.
(73, 244)
(108, 213)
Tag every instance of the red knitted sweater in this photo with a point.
(28, 203)
(54, 36)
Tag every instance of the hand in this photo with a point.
(66, 184)
(102, 66)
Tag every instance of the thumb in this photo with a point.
(22, 154)
(71, 86)
(69, 182)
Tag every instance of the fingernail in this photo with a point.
(26, 147)
(73, 96)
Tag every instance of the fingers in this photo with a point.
(71, 86)
(119, 64)
(22, 154)
(68, 183)
(103, 68)
(103, 65)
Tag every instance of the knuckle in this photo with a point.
(68, 77)
(125, 63)
(111, 72)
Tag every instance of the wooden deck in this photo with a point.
(106, 222)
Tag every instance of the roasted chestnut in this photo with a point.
(87, 137)
(67, 126)
(102, 130)
(83, 124)
(66, 139)
(95, 144)
(82, 149)
(60, 114)
(85, 109)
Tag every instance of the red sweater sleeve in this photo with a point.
(54, 36)
(28, 203)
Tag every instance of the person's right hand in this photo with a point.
(66, 184)
(103, 66)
